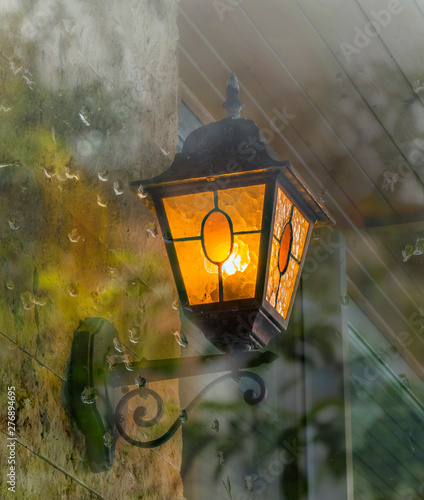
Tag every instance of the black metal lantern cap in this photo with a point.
(236, 226)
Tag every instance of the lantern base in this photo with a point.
(235, 330)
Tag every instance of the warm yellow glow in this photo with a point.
(201, 283)
(241, 283)
(216, 237)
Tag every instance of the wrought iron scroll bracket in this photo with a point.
(250, 397)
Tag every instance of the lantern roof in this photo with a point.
(229, 147)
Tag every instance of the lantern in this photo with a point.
(236, 225)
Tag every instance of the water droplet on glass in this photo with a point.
(74, 235)
(180, 338)
(101, 201)
(83, 115)
(167, 238)
(129, 365)
(151, 230)
(14, 223)
(407, 252)
(134, 334)
(390, 179)
(419, 246)
(89, 395)
(26, 298)
(108, 440)
(338, 335)
(221, 459)
(71, 175)
(183, 416)
(215, 425)
(249, 483)
(141, 193)
(344, 300)
(140, 382)
(117, 345)
(104, 175)
(322, 195)
(176, 305)
(113, 360)
(117, 187)
(10, 285)
(39, 299)
(73, 290)
(49, 172)
(315, 236)
(404, 380)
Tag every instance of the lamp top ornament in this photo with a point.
(223, 149)
(233, 104)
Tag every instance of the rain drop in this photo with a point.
(183, 416)
(27, 302)
(151, 230)
(404, 380)
(83, 115)
(407, 252)
(134, 334)
(215, 425)
(113, 360)
(129, 365)
(249, 483)
(117, 345)
(108, 440)
(73, 290)
(49, 172)
(221, 458)
(15, 223)
(70, 175)
(104, 176)
(10, 285)
(39, 298)
(141, 193)
(140, 382)
(176, 304)
(89, 395)
(74, 236)
(180, 338)
(344, 300)
(117, 187)
(101, 201)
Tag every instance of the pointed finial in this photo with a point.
(233, 105)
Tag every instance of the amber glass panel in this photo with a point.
(274, 273)
(186, 213)
(285, 293)
(217, 237)
(300, 230)
(282, 213)
(201, 284)
(281, 281)
(244, 206)
(239, 272)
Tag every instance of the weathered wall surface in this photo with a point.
(88, 102)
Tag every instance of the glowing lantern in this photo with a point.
(236, 225)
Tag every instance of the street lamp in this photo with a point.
(236, 224)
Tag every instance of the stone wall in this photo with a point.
(88, 103)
